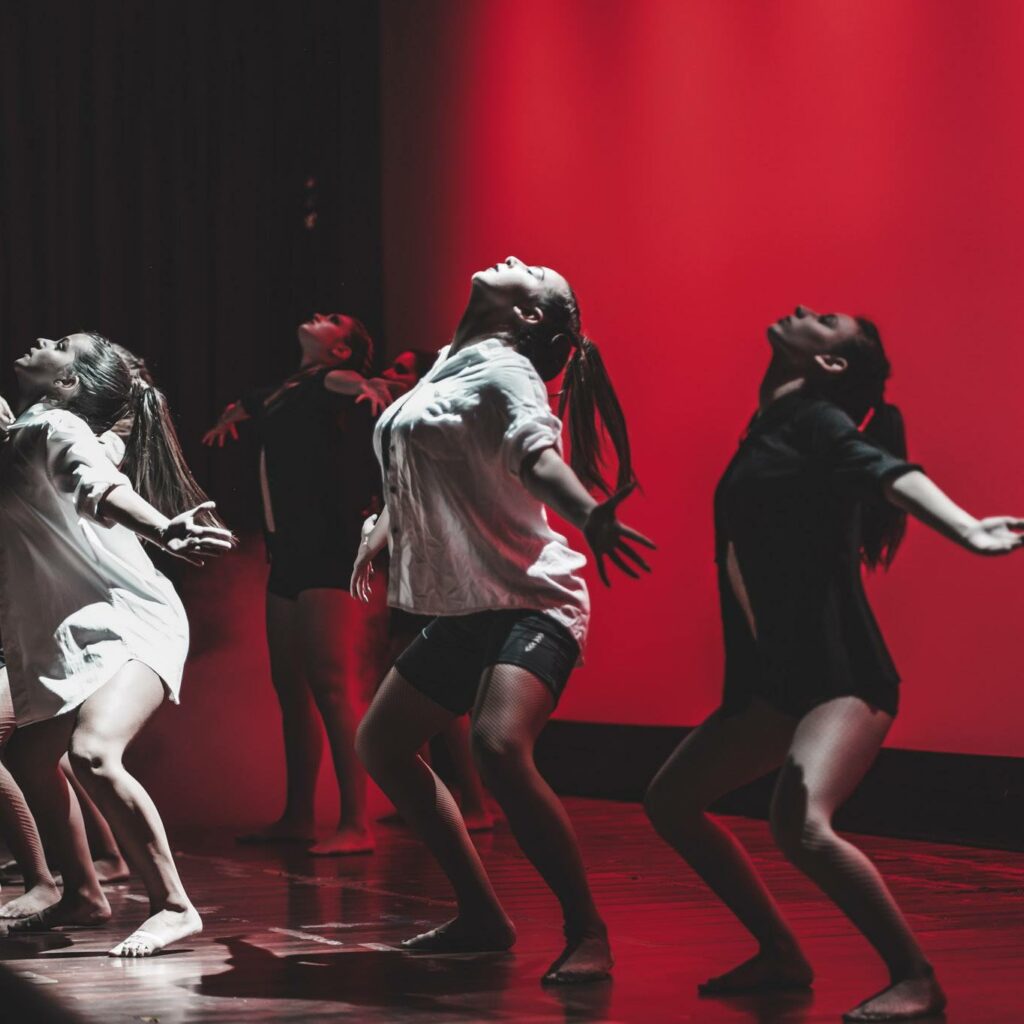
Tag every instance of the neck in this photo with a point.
(779, 379)
(26, 399)
(479, 323)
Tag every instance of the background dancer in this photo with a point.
(809, 684)
(94, 634)
(318, 480)
(470, 458)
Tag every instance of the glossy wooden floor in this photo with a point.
(289, 938)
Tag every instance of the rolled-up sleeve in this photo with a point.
(855, 464)
(80, 466)
(525, 418)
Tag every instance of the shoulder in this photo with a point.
(824, 418)
(53, 423)
(512, 374)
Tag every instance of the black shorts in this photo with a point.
(448, 657)
(297, 565)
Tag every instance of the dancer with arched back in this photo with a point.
(318, 480)
(95, 636)
(471, 459)
(809, 684)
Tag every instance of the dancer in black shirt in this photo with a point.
(809, 684)
(318, 481)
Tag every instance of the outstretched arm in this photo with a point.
(180, 536)
(234, 412)
(924, 499)
(547, 477)
(380, 393)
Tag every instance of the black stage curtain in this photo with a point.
(191, 179)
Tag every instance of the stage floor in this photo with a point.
(291, 938)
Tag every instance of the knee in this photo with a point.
(802, 837)
(92, 757)
(672, 811)
(497, 755)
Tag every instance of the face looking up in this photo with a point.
(808, 339)
(519, 289)
(46, 368)
(324, 339)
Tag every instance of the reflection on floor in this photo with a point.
(289, 938)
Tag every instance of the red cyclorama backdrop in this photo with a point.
(696, 169)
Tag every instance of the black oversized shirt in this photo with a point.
(790, 504)
(321, 473)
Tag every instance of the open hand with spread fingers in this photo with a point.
(184, 538)
(376, 392)
(996, 535)
(608, 538)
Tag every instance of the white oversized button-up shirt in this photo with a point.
(465, 534)
(79, 597)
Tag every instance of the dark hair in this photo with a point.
(587, 393)
(423, 360)
(110, 391)
(359, 340)
(860, 391)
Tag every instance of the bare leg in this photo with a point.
(19, 829)
(303, 740)
(512, 707)
(833, 747)
(336, 667)
(472, 795)
(720, 755)
(34, 754)
(107, 722)
(400, 720)
(106, 857)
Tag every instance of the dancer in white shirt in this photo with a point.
(94, 635)
(470, 459)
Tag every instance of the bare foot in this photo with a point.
(74, 911)
(284, 830)
(767, 971)
(111, 869)
(586, 957)
(461, 935)
(346, 842)
(903, 1000)
(32, 901)
(158, 931)
(478, 821)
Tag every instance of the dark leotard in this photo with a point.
(789, 505)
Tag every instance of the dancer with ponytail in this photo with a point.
(809, 685)
(95, 636)
(470, 458)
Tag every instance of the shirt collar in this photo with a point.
(471, 356)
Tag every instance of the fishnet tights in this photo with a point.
(16, 821)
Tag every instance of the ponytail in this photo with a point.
(588, 397)
(587, 401)
(154, 461)
(883, 524)
(860, 392)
